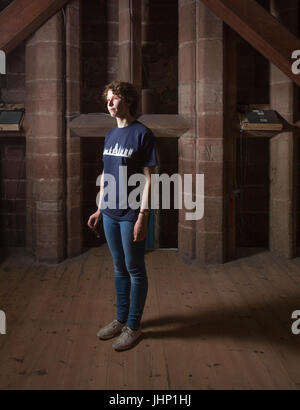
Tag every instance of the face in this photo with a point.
(116, 106)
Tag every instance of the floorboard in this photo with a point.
(215, 327)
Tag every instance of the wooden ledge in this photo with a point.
(91, 125)
(286, 127)
(97, 125)
(12, 134)
(165, 125)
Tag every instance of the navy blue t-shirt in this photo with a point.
(132, 147)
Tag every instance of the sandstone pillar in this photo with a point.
(73, 145)
(282, 148)
(45, 139)
(201, 149)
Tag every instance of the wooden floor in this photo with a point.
(219, 327)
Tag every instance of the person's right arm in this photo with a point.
(94, 218)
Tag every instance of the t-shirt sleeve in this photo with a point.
(149, 157)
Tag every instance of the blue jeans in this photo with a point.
(129, 270)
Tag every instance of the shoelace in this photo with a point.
(127, 330)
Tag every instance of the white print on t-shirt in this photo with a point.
(118, 151)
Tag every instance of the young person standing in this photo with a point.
(129, 147)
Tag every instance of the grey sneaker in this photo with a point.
(127, 338)
(110, 330)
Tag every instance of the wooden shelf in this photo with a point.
(258, 134)
(12, 134)
(286, 127)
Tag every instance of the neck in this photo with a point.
(124, 122)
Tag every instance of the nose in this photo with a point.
(110, 103)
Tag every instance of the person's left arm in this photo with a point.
(141, 225)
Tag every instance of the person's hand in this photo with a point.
(140, 228)
(93, 219)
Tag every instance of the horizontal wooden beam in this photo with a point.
(22, 17)
(266, 34)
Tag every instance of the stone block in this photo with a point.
(74, 220)
(50, 31)
(187, 21)
(281, 234)
(209, 97)
(50, 253)
(281, 167)
(187, 98)
(49, 227)
(72, 26)
(210, 62)
(73, 164)
(281, 97)
(44, 124)
(73, 98)
(187, 65)
(48, 189)
(47, 166)
(213, 177)
(187, 148)
(210, 125)
(209, 248)
(74, 189)
(208, 24)
(44, 61)
(45, 145)
(73, 64)
(44, 96)
(209, 149)
(186, 242)
(212, 220)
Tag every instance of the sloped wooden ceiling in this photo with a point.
(22, 17)
(261, 30)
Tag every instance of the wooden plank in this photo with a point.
(22, 17)
(261, 30)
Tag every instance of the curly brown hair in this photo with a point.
(126, 91)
